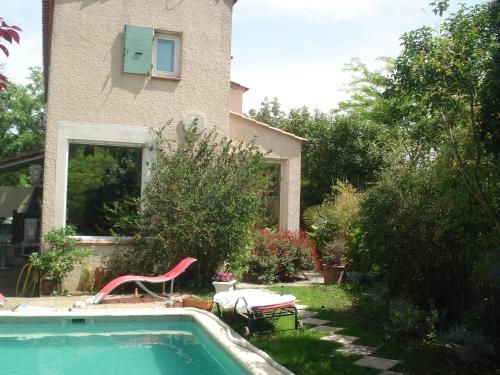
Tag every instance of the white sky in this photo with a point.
(294, 50)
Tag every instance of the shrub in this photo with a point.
(280, 255)
(60, 257)
(478, 346)
(201, 201)
(331, 223)
(333, 253)
(408, 320)
(427, 239)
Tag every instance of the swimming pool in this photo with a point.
(125, 342)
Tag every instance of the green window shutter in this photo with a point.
(137, 49)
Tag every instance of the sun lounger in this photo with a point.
(139, 280)
(2, 300)
(255, 304)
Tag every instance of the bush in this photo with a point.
(332, 223)
(202, 201)
(478, 346)
(60, 257)
(408, 320)
(427, 239)
(280, 255)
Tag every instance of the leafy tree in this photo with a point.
(430, 225)
(445, 72)
(340, 146)
(21, 131)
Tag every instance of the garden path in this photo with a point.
(347, 343)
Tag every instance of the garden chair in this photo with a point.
(2, 300)
(255, 304)
(139, 280)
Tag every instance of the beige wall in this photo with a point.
(284, 148)
(86, 83)
(236, 97)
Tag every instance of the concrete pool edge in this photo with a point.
(253, 359)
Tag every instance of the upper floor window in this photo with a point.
(150, 52)
(166, 55)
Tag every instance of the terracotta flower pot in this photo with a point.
(333, 274)
(47, 287)
(199, 304)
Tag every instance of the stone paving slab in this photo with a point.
(307, 314)
(301, 307)
(391, 373)
(341, 339)
(377, 363)
(327, 329)
(357, 349)
(314, 321)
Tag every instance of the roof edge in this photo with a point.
(272, 128)
(239, 85)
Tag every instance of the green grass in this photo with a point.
(303, 352)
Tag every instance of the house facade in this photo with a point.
(117, 70)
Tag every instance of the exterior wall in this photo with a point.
(236, 97)
(86, 83)
(285, 149)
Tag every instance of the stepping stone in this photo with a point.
(301, 307)
(356, 349)
(314, 321)
(327, 329)
(391, 373)
(378, 363)
(307, 314)
(341, 339)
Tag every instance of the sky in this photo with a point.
(295, 50)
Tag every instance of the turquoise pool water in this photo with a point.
(78, 347)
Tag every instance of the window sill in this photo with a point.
(166, 78)
(103, 240)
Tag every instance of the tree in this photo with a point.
(21, 131)
(340, 147)
(448, 73)
(7, 34)
(430, 224)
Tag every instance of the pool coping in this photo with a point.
(251, 358)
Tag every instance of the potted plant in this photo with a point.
(223, 282)
(60, 257)
(332, 258)
(331, 226)
(197, 303)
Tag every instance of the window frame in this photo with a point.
(283, 191)
(176, 38)
(100, 135)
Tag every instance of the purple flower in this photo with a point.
(223, 276)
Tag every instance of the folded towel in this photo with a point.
(252, 298)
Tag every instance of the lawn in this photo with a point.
(359, 315)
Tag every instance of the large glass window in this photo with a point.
(98, 176)
(271, 198)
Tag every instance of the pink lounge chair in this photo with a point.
(169, 276)
(2, 300)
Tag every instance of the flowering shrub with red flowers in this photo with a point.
(279, 255)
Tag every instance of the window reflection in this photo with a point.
(97, 177)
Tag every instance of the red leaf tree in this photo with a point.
(7, 34)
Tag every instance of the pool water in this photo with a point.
(77, 347)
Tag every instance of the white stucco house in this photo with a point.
(116, 69)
